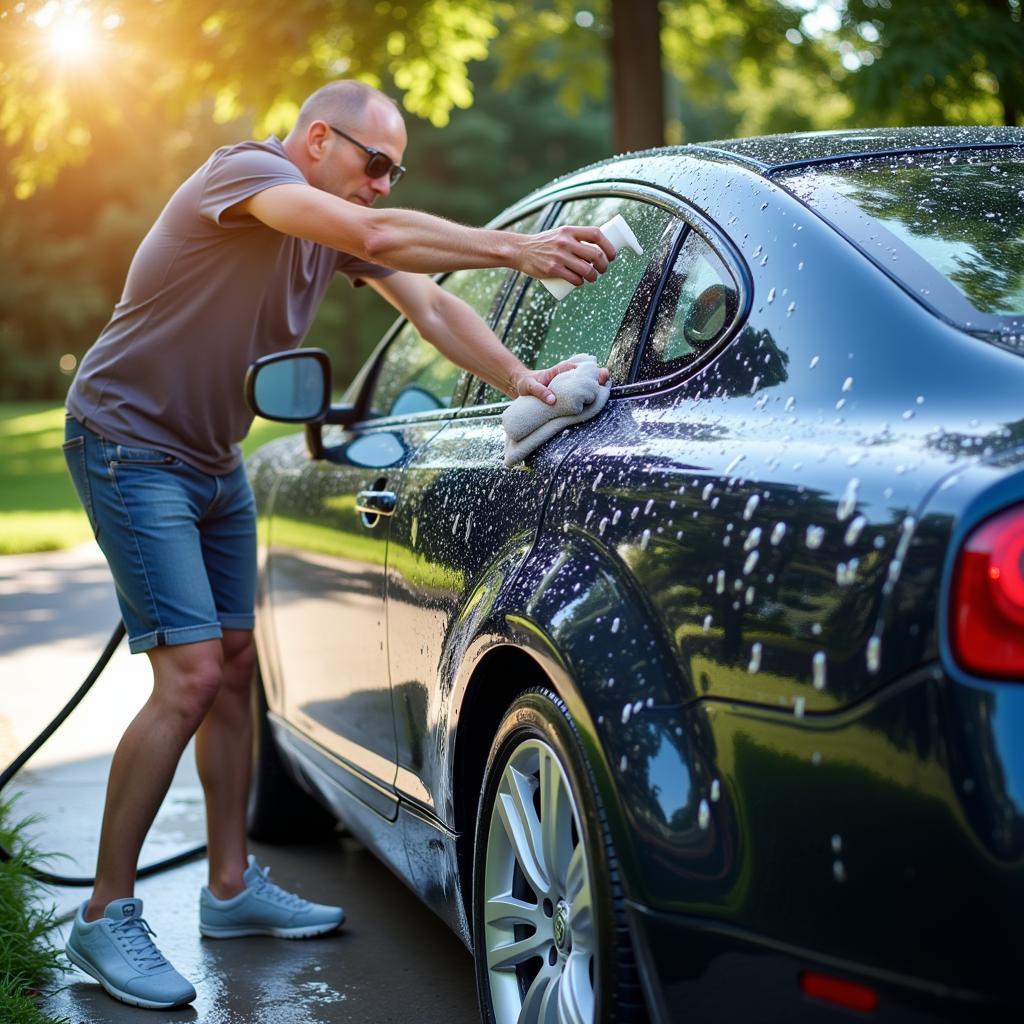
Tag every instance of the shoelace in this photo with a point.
(135, 933)
(270, 889)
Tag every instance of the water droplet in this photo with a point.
(791, 309)
(751, 507)
(732, 465)
(754, 664)
(616, 516)
(853, 531)
(706, 493)
(704, 815)
(818, 667)
(720, 582)
(839, 871)
(848, 502)
(846, 572)
(874, 654)
(645, 539)
(623, 762)
(778, 532)
(751, 562)
(615, 624)
(814, 362)
(627, 712)
(716, 790)
(799, 703)
(597, 480)
(847, 384)
(815, 535)
(753, 539)
(771, 296)
(837, 844)
(707, 623)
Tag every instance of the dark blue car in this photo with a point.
(713, 709)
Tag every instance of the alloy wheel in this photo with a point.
(538, 912)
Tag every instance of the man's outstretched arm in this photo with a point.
(461, 336)
(421, 243)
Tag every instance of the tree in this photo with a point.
(935, 61)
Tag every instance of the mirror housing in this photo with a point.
(291, 387)
(295, 387)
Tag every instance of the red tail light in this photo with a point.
(839, 991)
(987, 614)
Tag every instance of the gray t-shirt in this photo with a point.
(206, 294)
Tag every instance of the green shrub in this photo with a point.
(29, 963)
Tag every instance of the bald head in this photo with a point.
(341, 103)
(337, 129)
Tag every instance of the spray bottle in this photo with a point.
(619, 233)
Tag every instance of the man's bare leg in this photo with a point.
(224, 760)
(186, 680)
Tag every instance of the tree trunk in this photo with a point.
(638, 88)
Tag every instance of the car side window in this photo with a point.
(545, 331)
(413, 375)
(697, 307)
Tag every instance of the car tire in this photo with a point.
(549, 921)
(279, 810)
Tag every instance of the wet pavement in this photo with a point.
(393, 961)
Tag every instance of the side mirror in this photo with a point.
(292, 387)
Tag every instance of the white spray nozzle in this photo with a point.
(619, 233)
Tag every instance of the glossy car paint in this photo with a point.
(737, 579)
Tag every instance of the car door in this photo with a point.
(465, 522)
(328, 542)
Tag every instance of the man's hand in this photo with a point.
(573, 254)
(535, 382)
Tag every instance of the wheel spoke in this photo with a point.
(575, 995)
(522, 826)
(510, 954)
(555, 820)
(506, 911)
(578, 894)
(541, 1003)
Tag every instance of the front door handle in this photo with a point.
(375, 503)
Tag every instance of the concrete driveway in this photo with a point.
(394, 961)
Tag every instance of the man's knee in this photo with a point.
(239, 659)
(188, 678)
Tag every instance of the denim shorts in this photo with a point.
(181, 544)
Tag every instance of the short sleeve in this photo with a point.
(239, 172)
(358, 270)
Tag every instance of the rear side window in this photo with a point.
(697, 307)
(590, 318)
(949, 226)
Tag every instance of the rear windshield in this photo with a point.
(949, 226)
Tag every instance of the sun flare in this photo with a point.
(67, 28)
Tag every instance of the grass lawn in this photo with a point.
(39, 510)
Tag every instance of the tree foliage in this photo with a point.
(153, 61)
(934, 61)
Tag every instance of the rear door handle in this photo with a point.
(376, 503)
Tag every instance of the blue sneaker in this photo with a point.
(263, 908)
(118, 952)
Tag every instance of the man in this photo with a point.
(235, 267)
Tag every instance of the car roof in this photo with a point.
(772, 152)
(768, 153)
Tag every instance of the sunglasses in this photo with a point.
(378, 163)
